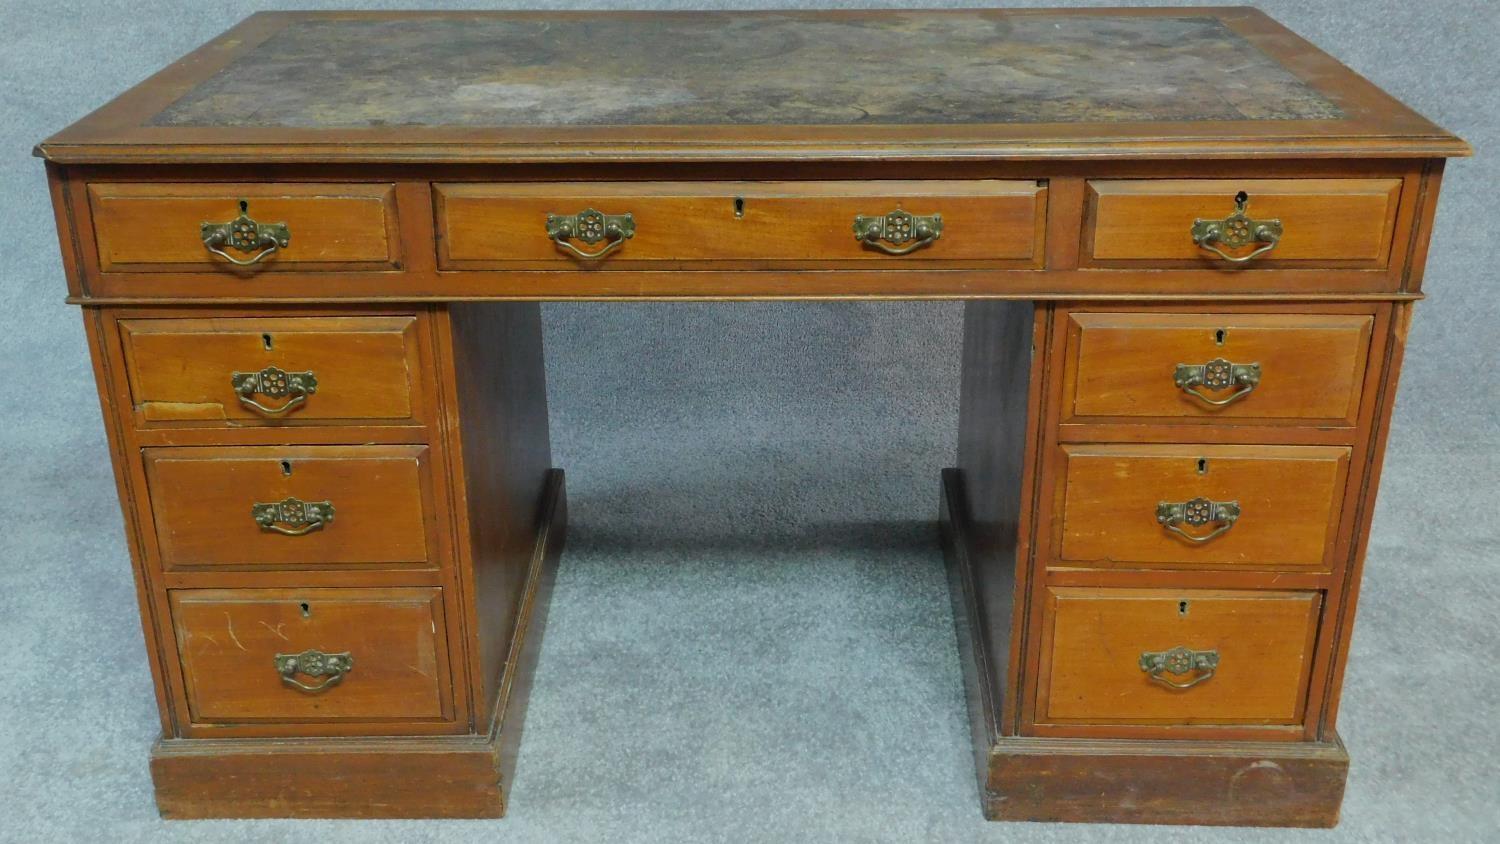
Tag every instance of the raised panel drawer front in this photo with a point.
(1278, 368)
(1345, 223)
(1164, 656)
(1207, 506)
(240, 371)
(307, 227)
(291, 507)
(309, 655)
(745, 225)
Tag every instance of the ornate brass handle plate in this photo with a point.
(274, 383)
(1217, 375)
(1236, 232)
(591, 227)
(314, 663)
(292, 517)
(1180, 661)
(1197, 513)
(898, 232)
(244, 234)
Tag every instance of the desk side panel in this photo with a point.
(498, 415)
(997, 435)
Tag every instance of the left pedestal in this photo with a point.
(344, 525)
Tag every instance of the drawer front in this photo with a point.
(1146, 505)
(328, 227)
(223, 372)
(744, 224)
(310, 655)
(292, 507)
(1278, 368)
(1108, 656)
(1322, 222)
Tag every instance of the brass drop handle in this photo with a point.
(1180, 661)
(292, 517)
(314, 663)
(1236, 232)
(1197, 513)
(244, 234)
(591, 227)
(275, 383)
(1217, 375)
(908, 232)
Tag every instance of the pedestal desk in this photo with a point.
(309, 257)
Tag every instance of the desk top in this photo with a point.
(471, 86)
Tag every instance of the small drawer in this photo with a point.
(744, 225)
(1297, 369)
(1163, 656)
(312, 655)
(265, 227)
(1200, 506)
(292, 507)
(234, 372)
(1345, 223)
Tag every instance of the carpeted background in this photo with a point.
(751, 637)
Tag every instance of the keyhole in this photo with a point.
(1202, 465)
(306, 610)
(1219, 336)
(1181, 607)
(739, 207)
(286, 467)
(244, 206)
(1241, 198)
(265, 340)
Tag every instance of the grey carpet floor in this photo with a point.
(750, 638)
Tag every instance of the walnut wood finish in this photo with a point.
(1094, 639)
(383, 514)
(418, 252)
(747, 224)
(180, 370)
(395, 637)
(1290, 498)
(1121, 366)
(158, 226)
(1326, 222)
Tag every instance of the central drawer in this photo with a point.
(741, 225)
(1200, 506)
(292, 507)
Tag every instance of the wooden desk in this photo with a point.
(309, 256)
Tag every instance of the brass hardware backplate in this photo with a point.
(905, 231)
(1217, 374)
(246, 235)
(1197, 513)
(1237, 231)
(590, 226)
(293, 516)
(273, 382)
(313, 663)
(1179, 661)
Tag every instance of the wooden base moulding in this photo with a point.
(379, 777)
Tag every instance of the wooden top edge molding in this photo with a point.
(512, 87)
